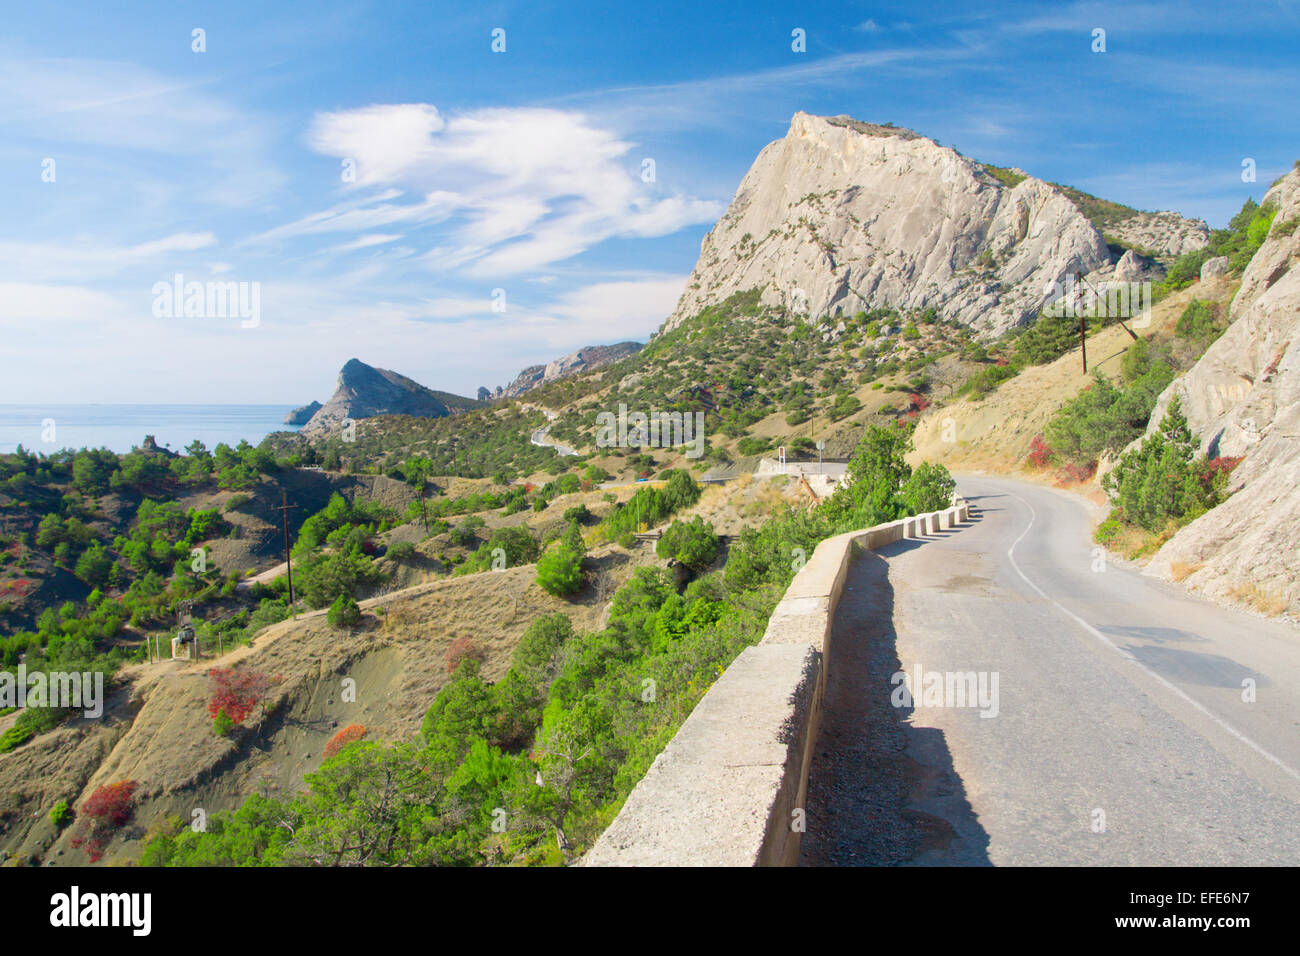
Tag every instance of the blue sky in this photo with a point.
(521, 171)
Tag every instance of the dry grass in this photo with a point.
(994, 433)
(1271, 603)
(1179, 570)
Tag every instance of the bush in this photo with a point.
(692, 543)
(516, 545)
(344, 612)
(236, 692)
(1108, 530)
(349, 734)
(930, 488)
(14, 737)
(578, 513)
(400, 550)
(61, 814)
(1199, 323)
(463, 535)
(985, 380)
(326, 577)
(559, 571)
(463, 649)
(102, 815)
(1105, 418)
(1040, 453)
(537, 653)
(222, 724)
(845, 405)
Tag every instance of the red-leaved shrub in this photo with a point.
(347, 735)
(236, 692)
(461, 649)
(102, 815)
(1079, 473)
(1040, 453)
(1223, 465)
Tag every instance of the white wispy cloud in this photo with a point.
(512, 189)
(112, 111)
(85, 260)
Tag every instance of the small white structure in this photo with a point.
(185, 645)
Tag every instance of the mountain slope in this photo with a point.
(841, 216)
(583, 360)
(364, 392)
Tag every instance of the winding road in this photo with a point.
(541, 436)
(1135, 723)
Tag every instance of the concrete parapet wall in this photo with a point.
(729, 788)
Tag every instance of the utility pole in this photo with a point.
(1083, 340)
(1074, 300)
(284, 509)
(1119, 318)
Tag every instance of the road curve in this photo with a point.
(1124, 733)
(541, 436)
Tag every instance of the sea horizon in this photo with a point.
(51, 427)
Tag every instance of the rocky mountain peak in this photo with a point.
(365, 391)
(841, 215)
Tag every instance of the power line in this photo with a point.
(284, 510)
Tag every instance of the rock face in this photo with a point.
(593, 356)
(301, 416)
(1243, 399)
(1135, 268)
(840, 216)
(1213, 268)
(1162, 233)
(364, 391)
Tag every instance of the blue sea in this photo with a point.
(119, 427)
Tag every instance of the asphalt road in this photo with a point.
(1123, 734)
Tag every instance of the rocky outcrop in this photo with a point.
(301, 416)
(1243, 399)
(840, 216)
(1137, 268)
(583, 360)
(364, 392)
(1214, 268)
(1164, 234)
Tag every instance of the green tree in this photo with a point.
(930, 488)
(344, 612)
(692, 543)
(94, 564)
(1161, 480)
(418, 470)
(371, 805)
(559, 570)
(877, 471)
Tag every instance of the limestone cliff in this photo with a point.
(841, 216)
(1162, 233)
(1243, 399)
